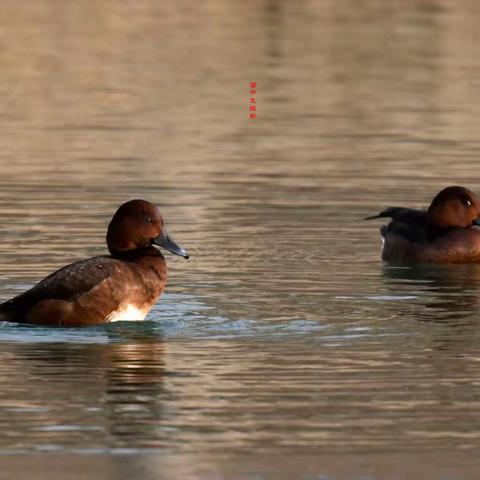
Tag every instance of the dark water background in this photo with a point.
(283, 348)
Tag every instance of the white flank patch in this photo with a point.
(128, 313)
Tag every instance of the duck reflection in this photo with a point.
(106, 394)
(134, 373)
(446, 292)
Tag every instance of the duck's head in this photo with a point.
(454, 207)
(137, 225)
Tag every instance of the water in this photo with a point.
(283, 348)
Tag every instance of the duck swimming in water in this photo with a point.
(121, 286)
(444, 233)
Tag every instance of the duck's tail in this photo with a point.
(409, 216)
(390, 212)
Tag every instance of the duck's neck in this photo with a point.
(434, 231)
(146, 254)
(148, 258)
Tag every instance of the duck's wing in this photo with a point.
(409, 223)
(402, 214)
(68, 283)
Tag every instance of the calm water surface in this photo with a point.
(283, 348)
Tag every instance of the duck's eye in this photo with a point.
(467, 202)
(148, 219)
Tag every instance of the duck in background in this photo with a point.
(444, 233)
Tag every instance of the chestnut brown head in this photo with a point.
(454, 207)
(136, 225)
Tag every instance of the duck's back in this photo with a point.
(85, 292)
(407, 223)
(68, 283)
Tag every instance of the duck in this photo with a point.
(446, 232)
(121, 286)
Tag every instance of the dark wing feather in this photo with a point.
(402, 214)
(406, 222)
(67, 283)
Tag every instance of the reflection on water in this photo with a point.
(284, 334)
(109, 393)
(447, 292)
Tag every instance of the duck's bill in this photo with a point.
(164, 241)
